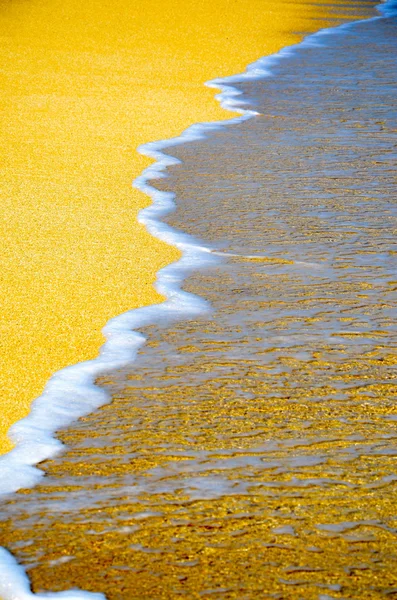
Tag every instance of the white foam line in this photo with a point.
(15, 585)
(71, 393)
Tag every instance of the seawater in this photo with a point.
(249, 450)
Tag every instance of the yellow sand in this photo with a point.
(84, 83)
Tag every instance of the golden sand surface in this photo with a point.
(83, 85)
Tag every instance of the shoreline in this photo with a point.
(123, 343)
(33, 435)
(69, 220)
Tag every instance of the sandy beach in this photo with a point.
(83, 86)
(249, 450)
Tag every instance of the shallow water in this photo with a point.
(251, 452)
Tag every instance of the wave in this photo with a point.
(388, 8)
(71, 393)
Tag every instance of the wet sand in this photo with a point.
(250, 453)
(83, 85)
